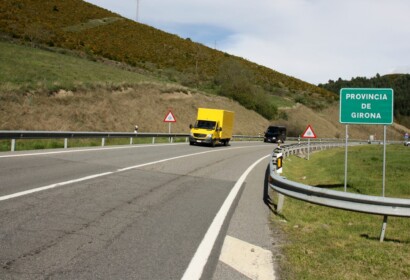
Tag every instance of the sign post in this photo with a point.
(367, 106)
(346, 144)
(309, 133)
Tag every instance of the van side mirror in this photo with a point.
(190, 126)
(220, 129)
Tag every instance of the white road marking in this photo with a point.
(5, 197)
(198, 262)
(250, 260)
(167, 159)
(39, 189)
(86, 150)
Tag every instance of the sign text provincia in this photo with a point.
(366, 106)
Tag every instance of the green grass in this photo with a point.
(281, 102)
(29, 69)
(326, 243)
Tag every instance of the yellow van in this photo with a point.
(212, 126)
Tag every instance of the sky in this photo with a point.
(312, 40)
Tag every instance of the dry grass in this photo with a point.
(103, 110)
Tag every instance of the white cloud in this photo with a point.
(313, 40)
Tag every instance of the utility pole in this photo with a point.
(138, 9)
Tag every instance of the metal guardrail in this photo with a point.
(342, 200)
(14, 135)
(17, 134)
(377, 205)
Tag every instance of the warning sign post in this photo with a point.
(170, 118)
(309, 133)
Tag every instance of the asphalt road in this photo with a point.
(130, 212)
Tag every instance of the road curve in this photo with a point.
(131, 212)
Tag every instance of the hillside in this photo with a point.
(96, 33)
(97, 96)
(32, 99)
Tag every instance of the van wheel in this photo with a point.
(213, 144)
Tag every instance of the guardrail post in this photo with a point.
(65, 143)
(13, 145)
(103, 142)
(383, 232)
(281, 201)
(130, 140)
(153, 140)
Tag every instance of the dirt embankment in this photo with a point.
(148, 104)
(101, 110)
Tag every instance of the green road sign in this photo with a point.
(366, 105)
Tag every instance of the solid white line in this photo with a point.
(86, 150)
(198, 262)
(167, 159)
(6, 197)
(53, 186)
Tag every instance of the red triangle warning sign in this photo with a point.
(170, 117)
(309, 133)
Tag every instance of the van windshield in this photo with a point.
(274, 130)
(205, 124)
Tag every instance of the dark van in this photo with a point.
(275, 133)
